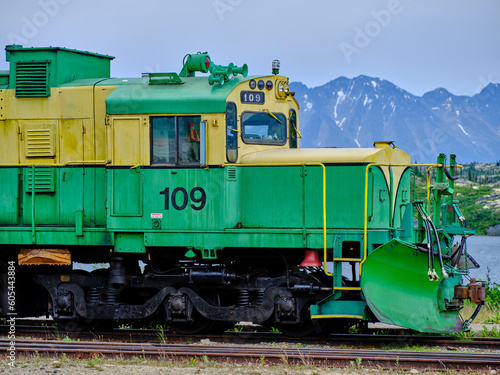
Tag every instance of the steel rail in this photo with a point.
(246, 354)
(244, 337)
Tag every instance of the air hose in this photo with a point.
(440, 257)
(430, 248)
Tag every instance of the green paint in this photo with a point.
(194, 96)
(398, 291)
(129, 243)
(339, 308)
(33, 71)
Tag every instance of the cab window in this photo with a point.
(263, 128)
(175, 139)
(231, 133)
(293, 129)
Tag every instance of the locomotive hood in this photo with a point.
(328, 156)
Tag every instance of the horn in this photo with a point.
(243, 70)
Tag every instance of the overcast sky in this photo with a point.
(419, 45)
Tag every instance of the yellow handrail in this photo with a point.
(365, 225)
(324, 194)
(80, 162)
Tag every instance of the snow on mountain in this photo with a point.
(359, 111)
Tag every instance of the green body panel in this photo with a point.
(137, 96)
(75, 197)
(296, 194)
(64, 64)
(244, 206)
(129, 243)
(4, 78)
(398, 291)
(9, 196)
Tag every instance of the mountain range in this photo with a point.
(359, 111)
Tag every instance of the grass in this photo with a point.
(191, 365)
(490, 312)
(480, 183)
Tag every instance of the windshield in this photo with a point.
(263, 128)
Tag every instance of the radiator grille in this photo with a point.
(32, 79)
(231, 174)
(42, 179)
(39, 140)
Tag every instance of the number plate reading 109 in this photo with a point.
(252, 97)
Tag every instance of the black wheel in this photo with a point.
(75, 324)
(302, 329)
(199, 324)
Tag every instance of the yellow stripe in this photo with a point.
(336, 316)
(346, 260)
(77, 162)
(346, 288)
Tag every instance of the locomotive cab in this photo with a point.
(199, 120)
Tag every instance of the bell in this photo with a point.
(311, 259)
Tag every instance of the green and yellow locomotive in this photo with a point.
(202, 181)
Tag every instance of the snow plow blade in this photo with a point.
(398, 290)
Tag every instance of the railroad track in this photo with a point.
(134, 335)
(261, 354)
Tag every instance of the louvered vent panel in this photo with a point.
(32, 79)
(231, 174)
(39, 140)
(43, 180)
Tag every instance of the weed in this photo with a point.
(358, 361)
(192, 362)
(495, 332)
(354, 330)
(162, 337)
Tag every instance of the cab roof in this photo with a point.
(195, 95)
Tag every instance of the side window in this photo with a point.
(163, 148)
(293, 129)
(231, 136)
(175, 139)
(189, 139)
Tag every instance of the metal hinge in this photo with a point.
(20, 133)
(106, 120)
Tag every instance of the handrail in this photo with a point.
(80, 162)
(33, 233)
(428, 188)
(316, 164)
(365, 224)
